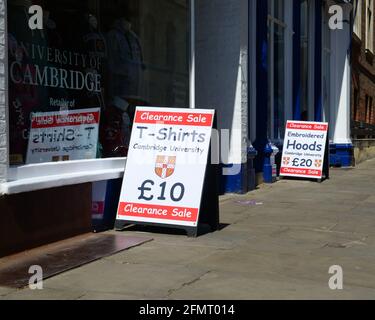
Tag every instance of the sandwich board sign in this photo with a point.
(304, 152)
(166, 167)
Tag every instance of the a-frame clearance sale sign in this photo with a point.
(304, 149)
(166, 166)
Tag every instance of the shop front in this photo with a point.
(300, 70)
(69, 93)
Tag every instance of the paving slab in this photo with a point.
(276, 242)
(45, 294)
(229, 286)
(5, 291)
(141, 281)
(166, 254)
(105, 296)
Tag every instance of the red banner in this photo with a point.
(305, 172)
(307, 126)
(174, 118)
(157, 212)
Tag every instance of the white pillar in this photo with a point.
(192, 55)
(4, 150)
(221, 68)
(221, 77)
(341, 89)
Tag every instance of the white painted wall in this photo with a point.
(221, 55)
(3, 100)
(341, 84)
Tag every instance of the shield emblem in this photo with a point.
(318, 163)
(164, 166)
(286, 161)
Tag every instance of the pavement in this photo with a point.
(277, 242)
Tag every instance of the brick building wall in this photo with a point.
(363, 86)
(3, 102)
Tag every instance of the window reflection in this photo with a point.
(109, 55)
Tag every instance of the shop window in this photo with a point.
(356, 104)
(368, 109)
(305, 59)
(150, 35)
(357, 15)
(326, 66)
(276, 71)
(97, 59)
(171, 46)
(370, 25)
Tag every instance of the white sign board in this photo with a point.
(304, 149)
(166, 166)
(63, 136)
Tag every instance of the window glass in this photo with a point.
(279, 9)
(279, 82)
(276, 74)
(304, 59)
(74, 85)
(370, 25)
(357, 13)
(368, 110)
(326, 67)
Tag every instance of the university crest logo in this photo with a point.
(318, 163)
(165, 166)
(286, 161)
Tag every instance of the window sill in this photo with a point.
(369, 56)
(357, 39)
(52, 175)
